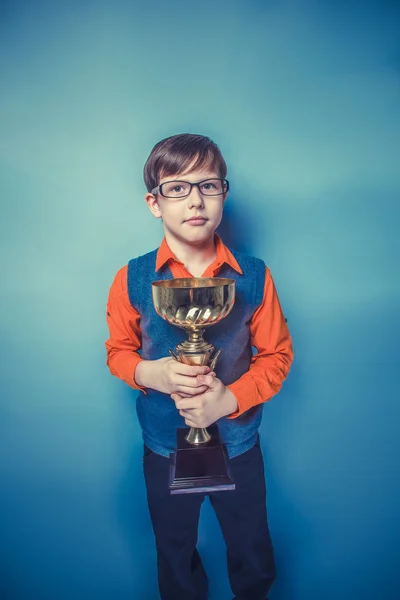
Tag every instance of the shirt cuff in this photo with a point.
(132, 361)
(245, 392)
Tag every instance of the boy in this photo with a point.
(185, 176)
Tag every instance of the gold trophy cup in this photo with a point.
(198, 464)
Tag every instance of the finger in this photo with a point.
(192, 403)
(190, 398)
(184, 381)
(193, 421)
(191, 415)
(207, 380)
(190, 370)
(192, 392)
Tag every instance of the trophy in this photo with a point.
(199, 462)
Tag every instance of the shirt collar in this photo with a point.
(223, 255)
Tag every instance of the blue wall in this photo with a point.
(303, 98)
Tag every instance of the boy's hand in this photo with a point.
(169, 376)
(206, 408)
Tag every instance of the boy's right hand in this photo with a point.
(169, 376)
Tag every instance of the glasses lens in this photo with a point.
(213, 187)
(175, 189)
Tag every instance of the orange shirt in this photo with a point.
(268, 330)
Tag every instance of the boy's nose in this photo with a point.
(195, 198)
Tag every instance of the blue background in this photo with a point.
(303, 99)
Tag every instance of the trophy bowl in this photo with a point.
(194, 303)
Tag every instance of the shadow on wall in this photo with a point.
(238, 226)
(341, 322)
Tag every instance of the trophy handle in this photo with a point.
(214, 360)
(172, 353)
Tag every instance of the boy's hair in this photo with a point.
(179, 153)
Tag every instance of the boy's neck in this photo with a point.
(195, 257)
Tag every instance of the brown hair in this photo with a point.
(179, 153)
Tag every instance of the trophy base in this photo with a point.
(199, 469)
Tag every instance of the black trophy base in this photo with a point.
(199, 469)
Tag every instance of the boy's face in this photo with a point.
(191, 220)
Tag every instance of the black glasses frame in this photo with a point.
(158, 189)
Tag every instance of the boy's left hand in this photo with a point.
(204, 409)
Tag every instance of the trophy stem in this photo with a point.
(196, 351)
(196, 336)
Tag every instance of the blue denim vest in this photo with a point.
(157, 414)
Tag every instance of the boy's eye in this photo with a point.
(211, 186)
(176, 189)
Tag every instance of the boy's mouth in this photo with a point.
(196, 220)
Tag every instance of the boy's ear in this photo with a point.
(153, 205)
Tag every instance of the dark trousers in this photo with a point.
(242, 516)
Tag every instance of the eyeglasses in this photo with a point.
(181, 189)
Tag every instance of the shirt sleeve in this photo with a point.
(271, 364)
(125, 333)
